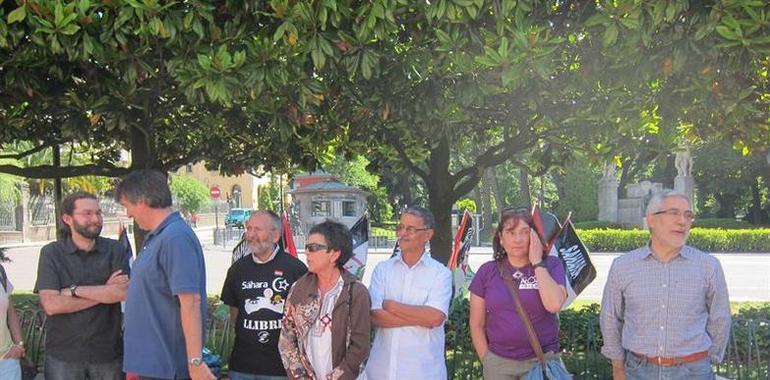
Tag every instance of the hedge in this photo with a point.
(723, 223)
(706, 239)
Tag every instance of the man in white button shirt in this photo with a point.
(410, 298)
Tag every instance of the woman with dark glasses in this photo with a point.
(325, 332)
(498, 332)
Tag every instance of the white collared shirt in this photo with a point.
(410, 352)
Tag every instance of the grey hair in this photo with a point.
(277, 224)
(427, 217)
(657, 199)
(148, 185)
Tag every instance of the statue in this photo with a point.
(608, 173)
(683, 163)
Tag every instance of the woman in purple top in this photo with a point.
(498, 333)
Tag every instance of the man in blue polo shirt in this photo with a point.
(166, 302)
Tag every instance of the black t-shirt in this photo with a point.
(94, 334)
(259, 292)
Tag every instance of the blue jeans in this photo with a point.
(60, 370)
(639, 369)
(10, 369)
(247, 376)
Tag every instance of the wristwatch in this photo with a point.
(540, 264)
(196, 362)
(73, 290)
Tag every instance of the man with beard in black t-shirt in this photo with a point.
(255, 289)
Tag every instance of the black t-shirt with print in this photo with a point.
(259, 292)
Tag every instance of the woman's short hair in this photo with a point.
(515, 215)
(337, 237)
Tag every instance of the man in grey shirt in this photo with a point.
(81, 283)
(665, 311)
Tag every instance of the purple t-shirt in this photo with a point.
(506, 334)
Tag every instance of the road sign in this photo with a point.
(214, 192)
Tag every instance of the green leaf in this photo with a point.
(17, 15)
(188, 19)
(70, 29)
(671, 11)
(319, 59)
(596, 20)
(326, 46)
(83, 6)
(204, 61)
(503, 49)
(511, 77)
(610, 35)
(366, 69)
(280, 31)
(727, 33)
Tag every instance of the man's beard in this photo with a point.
(87, 232)
(261, 248)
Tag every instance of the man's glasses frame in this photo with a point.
(677, 213)
(411, 230)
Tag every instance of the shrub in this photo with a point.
(596, 225)
(722, 223)
(706, 239)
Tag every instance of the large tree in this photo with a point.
(531, 80)
(242, 84)
(170, 82)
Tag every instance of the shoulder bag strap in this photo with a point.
(505, 273)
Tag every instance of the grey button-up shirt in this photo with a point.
(90, 335)
(669, 309)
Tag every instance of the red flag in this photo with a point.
(288, 238)
(460, 237)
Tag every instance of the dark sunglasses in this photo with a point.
(315, 247)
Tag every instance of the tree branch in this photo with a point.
(469, 177)
(20, 155)
(408, 160)
(50, 171)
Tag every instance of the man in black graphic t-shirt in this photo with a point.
(255, 289)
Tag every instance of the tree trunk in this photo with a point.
(404, 188)
(756, 203)
(561, 189)
(486, 204)
(499, 198)
(526, 198)
(57, 193)
(441, 196)
(143, 155)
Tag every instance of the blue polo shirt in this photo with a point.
(171, 262)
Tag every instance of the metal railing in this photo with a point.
(7, 216)
(747, 357)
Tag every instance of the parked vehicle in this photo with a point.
(237, 217)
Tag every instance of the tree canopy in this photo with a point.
(244, 85)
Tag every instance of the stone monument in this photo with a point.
(608, 194)
(683, 182)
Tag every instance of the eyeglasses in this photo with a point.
(315, 247)
(410, 230)
(88, 214)
(677, 213)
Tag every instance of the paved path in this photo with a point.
(748, 275)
